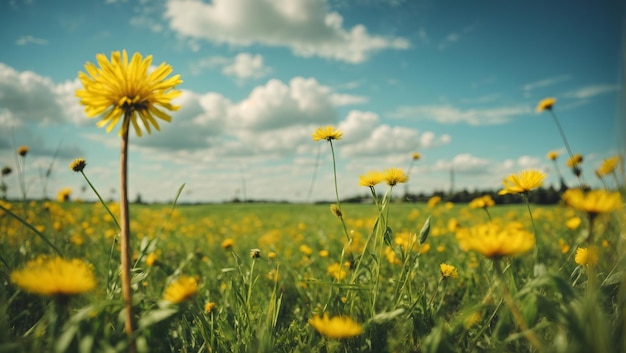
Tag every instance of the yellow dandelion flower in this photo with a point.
(78, 164)
(586, 256)
(608, 166)
(552, 155)
(64, 195)
(323, 253)
(395, 176)
(574, 161)
(448, 271)
(334, 209)
(522, 182)
(271, 255)
(22, 151)
(563, 246)
(125, 88)
(573, 223)
(495, 241)
(337, 271)
(180, 290)
(255, 253)
(208, 307)
(593, 202)
(306, 250)
(151, 259)
(416, 156)
(482, 202)
(55, 277)
(433, 201)
(546, 104)
(371, 178)
(227, 243)
(337, 327)
(326, 133)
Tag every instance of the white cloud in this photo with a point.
(545, 82)
(24, 40)
(304, 26)
(464, 163)
(246, 66)
(447, 114)
(340, 99)
(591, 91)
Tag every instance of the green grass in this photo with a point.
(398, 296)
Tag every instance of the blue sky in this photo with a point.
(456, 81)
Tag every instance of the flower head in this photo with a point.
(78, 165)
(433, 201)
(482, 202)
(552, 155)
(608, 166)
(522, 182)
(227, 243)
(448, 271)
(495, 241)
(255, 253)
(573, 223)
(395, 176)
(371, 178)
(593, 202)
(326, 133)
(336, 327)
(586, 256)
(125, 88)
(6, 170)
(22, 151)
(337, 271)
(545, 104)
(64, 195)
(574, 161)
(334, 209)
(415, 156)
(55, 277)
(181, 289)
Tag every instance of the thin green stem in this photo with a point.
(100, 198)
(343, 223)
(250, 284)
(532, 220)
(508, 299)
(558, 125)
(488, 214)
(125, 237)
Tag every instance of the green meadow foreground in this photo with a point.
(285, 278)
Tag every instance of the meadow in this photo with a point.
(305, 267)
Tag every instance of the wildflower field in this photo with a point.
(385, 275)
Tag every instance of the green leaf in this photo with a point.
(424, 232)
(156, 316)
(387, 236)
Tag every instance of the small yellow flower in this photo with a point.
(552, 155)
(323, 253)
(608, 166)
(123, 89)
(271, 255)
(448, 271)
(227, 243)
(433, 201)
(586, 256)
(180, 290)
(416, 156)
(326, 133)
(208, 307)
(255, 253)
(334, 209)
(337, 327)
(545, 104)
(575, 160)
(482, 202)
(495, 241)
(151, 259)
(371, 178)
(306, 250)
(55, 277)
(337, 271)
(78, 164)
(64, 195)
(395, 176)
(593, 202)
(22, 151)
(522, 182)
(563, 246)
(573, 223)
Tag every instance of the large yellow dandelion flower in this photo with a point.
(122, 88)
(371, 178)
(495, 241)
(55, 277)
(183, 288)
(336, 327)
(522, 182)
(395, 176)
(593, 202)
(326, 133)
(545, 104)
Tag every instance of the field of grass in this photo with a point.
(381, 273)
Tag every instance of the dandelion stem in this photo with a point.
(343, 223)
(508, 299)
(558, 125)
(101, 200)
(125, 235)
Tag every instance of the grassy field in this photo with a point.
(384, 281)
